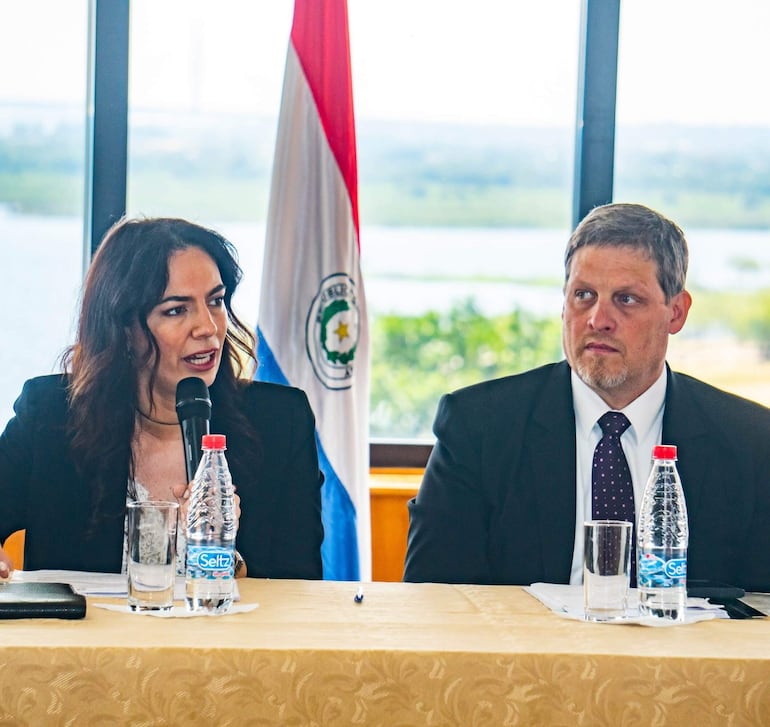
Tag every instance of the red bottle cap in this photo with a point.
(213, 441)
(664, 451)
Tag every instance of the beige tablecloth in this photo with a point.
(409, 654)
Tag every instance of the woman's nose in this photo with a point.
(204, 324)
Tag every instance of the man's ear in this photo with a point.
(680, 307)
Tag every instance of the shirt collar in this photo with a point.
(642, 412)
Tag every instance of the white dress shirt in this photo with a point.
(646, 416)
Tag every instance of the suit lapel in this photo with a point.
(684, 425)
(550, 446)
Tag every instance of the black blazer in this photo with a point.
(497, 502)
(280, 529)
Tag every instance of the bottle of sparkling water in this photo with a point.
(211, 529)
(662, 539)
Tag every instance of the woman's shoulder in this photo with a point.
(263, 393)
(44, 392)
(41, 405)
(274, 409)
(48, 383)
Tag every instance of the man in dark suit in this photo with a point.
(508, 484)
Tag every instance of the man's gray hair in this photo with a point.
(635, 226)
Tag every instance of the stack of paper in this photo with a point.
(567, 601)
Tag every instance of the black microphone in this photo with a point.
(193, 408)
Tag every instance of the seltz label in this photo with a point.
(210, 561)
(655, 572)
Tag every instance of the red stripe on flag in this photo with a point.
(319, 35)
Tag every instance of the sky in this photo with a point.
(487, 61)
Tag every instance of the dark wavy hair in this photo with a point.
(126, 279)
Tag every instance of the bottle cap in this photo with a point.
(664, 451)
(213, 441)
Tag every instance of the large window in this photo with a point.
(693, 140)
(205, 88)
(465, 122)
(42, 143)
(466, 114)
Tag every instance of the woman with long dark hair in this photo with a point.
(156, 308)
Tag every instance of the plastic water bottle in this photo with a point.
(662, 540)
(211, 529)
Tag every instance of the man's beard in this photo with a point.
(597, 377)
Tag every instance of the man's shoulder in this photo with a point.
(718, 403)
(527, 383)
(516, 395)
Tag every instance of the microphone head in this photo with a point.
(192, 399)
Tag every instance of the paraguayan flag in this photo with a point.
(312, 329)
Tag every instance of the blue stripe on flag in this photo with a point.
(267, 367)
(339, 550)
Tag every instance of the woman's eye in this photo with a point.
(175, 311)
(217, 302)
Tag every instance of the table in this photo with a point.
(409, 654)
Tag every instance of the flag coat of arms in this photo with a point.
(312, 330)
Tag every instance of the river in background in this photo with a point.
(406, 271)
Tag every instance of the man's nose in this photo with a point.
(602, 315)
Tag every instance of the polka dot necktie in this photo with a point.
(612, 491)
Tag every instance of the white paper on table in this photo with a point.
(108, 585)
(567, 601)
(177, 611)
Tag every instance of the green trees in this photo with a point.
(419, 358)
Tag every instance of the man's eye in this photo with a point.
(582, 294)
(626, 299)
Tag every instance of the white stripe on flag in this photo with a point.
(312, 318)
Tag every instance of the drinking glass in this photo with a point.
(606, 568)
(151, 555)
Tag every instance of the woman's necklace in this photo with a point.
(157, 421)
